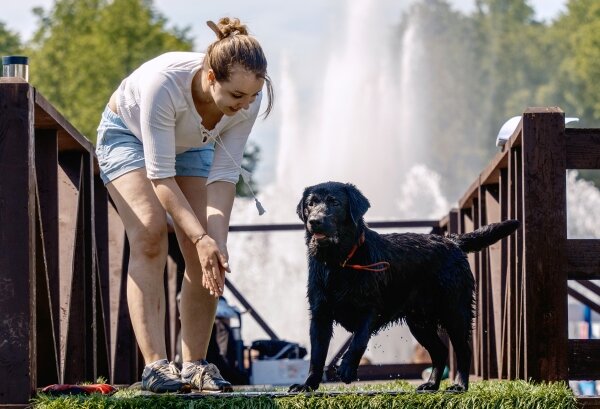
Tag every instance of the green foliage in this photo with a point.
(82, 49)
(10, 43)
(452, 93)
(491, 65)
(488, 394)
(577, 79)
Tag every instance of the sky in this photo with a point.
(297, 16)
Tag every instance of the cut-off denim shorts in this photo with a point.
(119, 151)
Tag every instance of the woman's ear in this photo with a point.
(210, 76)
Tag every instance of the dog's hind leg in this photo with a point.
(460, 336)
(428, 337)
(349, 367)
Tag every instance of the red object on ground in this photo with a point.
(66, 389)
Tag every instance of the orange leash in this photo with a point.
(376, 267)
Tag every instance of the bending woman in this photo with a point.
(171, 140)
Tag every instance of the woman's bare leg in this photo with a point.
(145, 224)
(198, 306)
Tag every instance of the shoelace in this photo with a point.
(209, 370)
(170, 370)
(174, 369)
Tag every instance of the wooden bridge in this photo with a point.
(60, 239)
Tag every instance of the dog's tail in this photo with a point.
(486, 236)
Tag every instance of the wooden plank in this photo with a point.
(544, 170)
(470, 195)
(583, 148)
(483, 290)
(126, 365)
(46, 163)
(504, 273)
(17, 241)
(518, 283)
(511, 293)
(73, 272)
(584, 355)
(496, 280)
(391, 371)
(47, 117)
(583, 259)
(588, 402)
(100, 246)
(68, 199)
(491, 173)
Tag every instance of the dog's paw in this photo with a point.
(346, 372)
(300, 387)
(427, 387)
(456, 388)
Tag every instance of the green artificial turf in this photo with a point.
(398, 394)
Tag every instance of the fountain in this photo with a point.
(364, 126)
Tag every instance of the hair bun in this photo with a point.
(227, 27)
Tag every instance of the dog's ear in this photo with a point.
(358, 204)
(300, 207)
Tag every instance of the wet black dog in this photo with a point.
(367, 281)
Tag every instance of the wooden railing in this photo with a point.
(63, 254)
(54, 256)
(521, 327)
(63, 312)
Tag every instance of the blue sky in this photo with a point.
(301, 17)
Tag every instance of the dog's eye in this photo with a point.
(334, 202)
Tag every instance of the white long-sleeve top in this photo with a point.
(155, 102)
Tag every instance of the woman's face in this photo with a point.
(238, 92)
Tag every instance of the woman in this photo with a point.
(171, 141)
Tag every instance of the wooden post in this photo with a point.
(545, 239)
(17, 241)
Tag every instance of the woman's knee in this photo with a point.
(149, 240)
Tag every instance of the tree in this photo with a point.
(515, 58)
(10, 43)
(577, 78)
(84, 48)
(451, 97)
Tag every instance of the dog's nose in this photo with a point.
(315, 221)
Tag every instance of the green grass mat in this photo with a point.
(399, 394)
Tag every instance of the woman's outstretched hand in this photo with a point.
(214, 264)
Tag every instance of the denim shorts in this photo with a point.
(119, 151)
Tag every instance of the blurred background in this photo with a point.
(402, 98)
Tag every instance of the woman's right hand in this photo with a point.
(214, 264)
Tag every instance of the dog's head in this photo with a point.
(331, 209)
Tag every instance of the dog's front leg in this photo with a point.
(321, 330)
(349, 367)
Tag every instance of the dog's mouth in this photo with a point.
(319, 236)
(322, 239)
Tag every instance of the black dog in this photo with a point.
(367, 281)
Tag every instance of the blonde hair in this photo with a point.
(235, 46)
